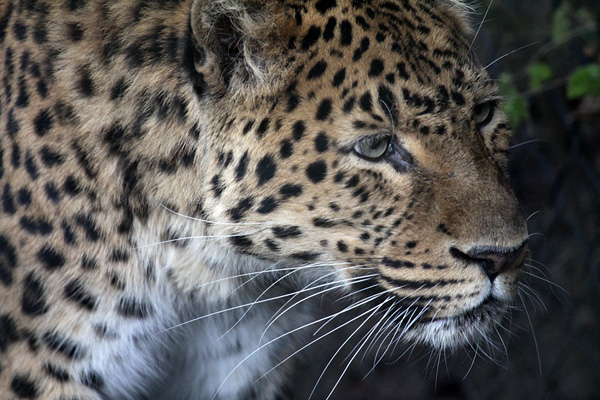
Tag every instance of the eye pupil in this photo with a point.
(372, 148)
(484, 113)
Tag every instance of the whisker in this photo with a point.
(508, 54)
(537, 349)
(354, 280)
(526, 143)
(213, 222)
(376, 308)
(480, 25)
(199, 237)
(318, 338)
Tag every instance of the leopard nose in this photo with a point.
(493, 260)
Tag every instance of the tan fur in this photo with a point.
(126, 209)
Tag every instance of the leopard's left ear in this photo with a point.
(232, 44)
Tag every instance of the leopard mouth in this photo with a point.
(453, 331)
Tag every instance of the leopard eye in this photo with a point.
(484, 113)
(373, 148)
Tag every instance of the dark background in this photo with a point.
(555, 164)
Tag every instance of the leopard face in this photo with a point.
(384, 151)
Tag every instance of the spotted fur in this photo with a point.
(166, 160)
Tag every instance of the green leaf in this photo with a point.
(514, 105)
(584, 81)
(539, 73)
(561, 23)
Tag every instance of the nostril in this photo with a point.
(493, 260)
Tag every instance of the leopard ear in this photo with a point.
(228, 44)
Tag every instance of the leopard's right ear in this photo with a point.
(230, 44)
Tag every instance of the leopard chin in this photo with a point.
(450, 333)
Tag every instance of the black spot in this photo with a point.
(349, 104)
(20, 31)
(68, 234)
(376, 68)
(23, 98)
(365, 236)
(298, 130)
(345, 33)
(343, 247)
(316, 171)
(401, 69)
(247, 127)
(458, 98)
(33, 301)
(388, 100)
(88, 263)
(16, 156)
(363, 23)
(265, 169)
(217, 185)
(287, 149)
(292, 101)
(243, 205)
(133, 308)
(118, 90)
(289, 190)
(240, 170)
(75, 292)
(62, 345)
(305, 255)
(311, 37)
(267, 205)
(320, 222)
(323, 110)
(12, 126)
(93, 380)
(57, 372)
(323, 6)
(321, 142)
(397, 263)
(85, 84)
(43, 122)
(364, 46)
(7, 200)
(119, 255)
(71, 186)
(8, 261)
(329, 28)
(35, 226)
(366, 102)
(24, 387)
(286, 232)
(339, 77)
(263, 127)
(317, 70)
(352, 182)
(51, 158)
(272, 245)
(8, 331)
(24, 196)
(52, 192)
(240, 241)
(51, 258)
(75, 32)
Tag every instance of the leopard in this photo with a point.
(182, 180)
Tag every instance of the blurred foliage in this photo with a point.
(584, 81)
(569, 20)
